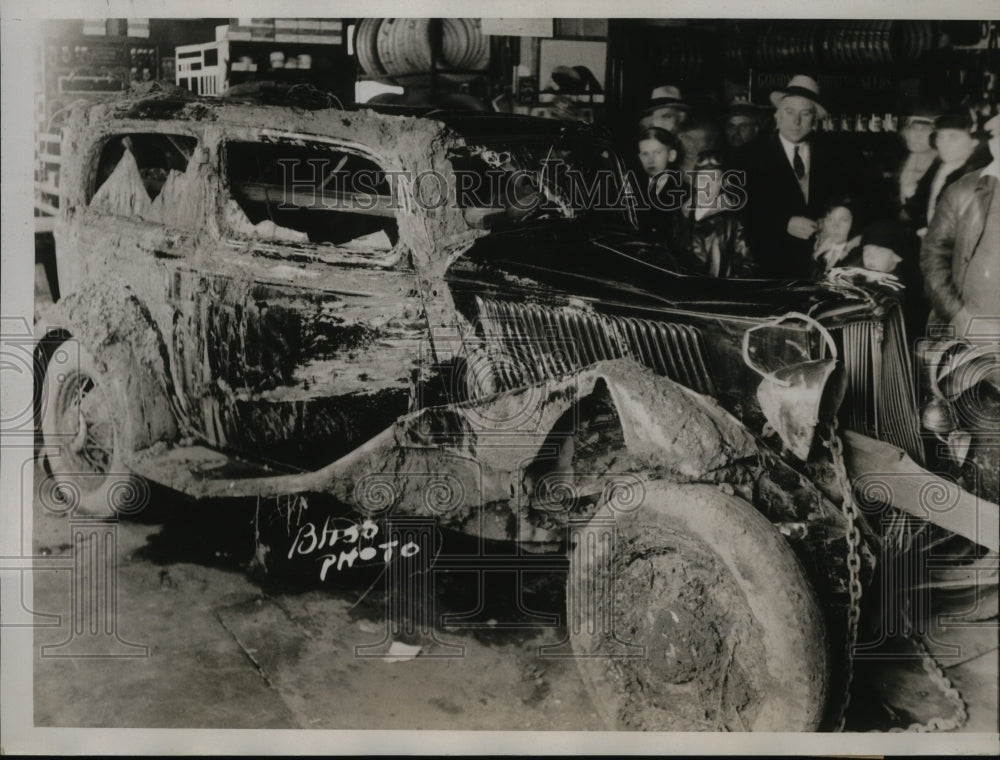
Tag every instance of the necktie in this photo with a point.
(800, 168)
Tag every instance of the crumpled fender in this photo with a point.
(447, 459)
(119, 333)
(463, 465)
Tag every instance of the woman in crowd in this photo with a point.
(959, 152)
(882, 251)
(920, 154)
(837, 244)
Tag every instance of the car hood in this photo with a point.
(562, 263)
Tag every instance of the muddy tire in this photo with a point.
(694, 614)
(81, 435)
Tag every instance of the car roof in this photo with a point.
(479, 124)
(177, 104)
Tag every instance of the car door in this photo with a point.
(301, 333)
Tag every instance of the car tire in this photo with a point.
(693, 613)
(81, 429)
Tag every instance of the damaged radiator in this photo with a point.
(542, 342)
(529, 343)
(879, 400)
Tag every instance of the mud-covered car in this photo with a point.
(423, 321)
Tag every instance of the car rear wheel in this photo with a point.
(82, 441)
(693, 613)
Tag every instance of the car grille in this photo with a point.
(530, 343)
(880, 397)
(542, 342)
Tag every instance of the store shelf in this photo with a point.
(208, 68)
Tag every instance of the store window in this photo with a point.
(151, 177)
(308, 193)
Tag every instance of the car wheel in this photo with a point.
(82, 441)
(693, 613)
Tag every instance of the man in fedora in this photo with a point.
(742, 122)
(788, 179)
(666, 109)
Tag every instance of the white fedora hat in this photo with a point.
(804, 87)
(666, 96)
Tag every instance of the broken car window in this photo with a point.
(296, 192)
(503, 184)
(152, 177)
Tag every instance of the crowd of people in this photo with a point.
(761, 194)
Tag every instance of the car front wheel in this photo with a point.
(82, 440)
(690, 612)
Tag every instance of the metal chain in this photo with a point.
(941, 680)
(853, 537)
(930, 664)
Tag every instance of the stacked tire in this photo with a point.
(400, 50)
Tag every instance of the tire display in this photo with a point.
(395, 49)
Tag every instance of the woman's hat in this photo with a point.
(804, 87)
(954, 120)
(958, 120)
(665, 96)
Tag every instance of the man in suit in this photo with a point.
(788, 179)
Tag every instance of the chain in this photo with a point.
(853, 537)
(934, 670)
(941, 680)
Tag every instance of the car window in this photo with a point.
(151, 177)
(295, 192)
(508, 182)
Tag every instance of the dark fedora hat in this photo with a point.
(740, 106)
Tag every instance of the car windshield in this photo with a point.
(511, 181)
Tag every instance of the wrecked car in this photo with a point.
(311, 307)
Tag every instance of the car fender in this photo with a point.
(486, 444)
(118, 331)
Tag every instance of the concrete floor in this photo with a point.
(224, 650)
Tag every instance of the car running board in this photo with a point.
(202, 472)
